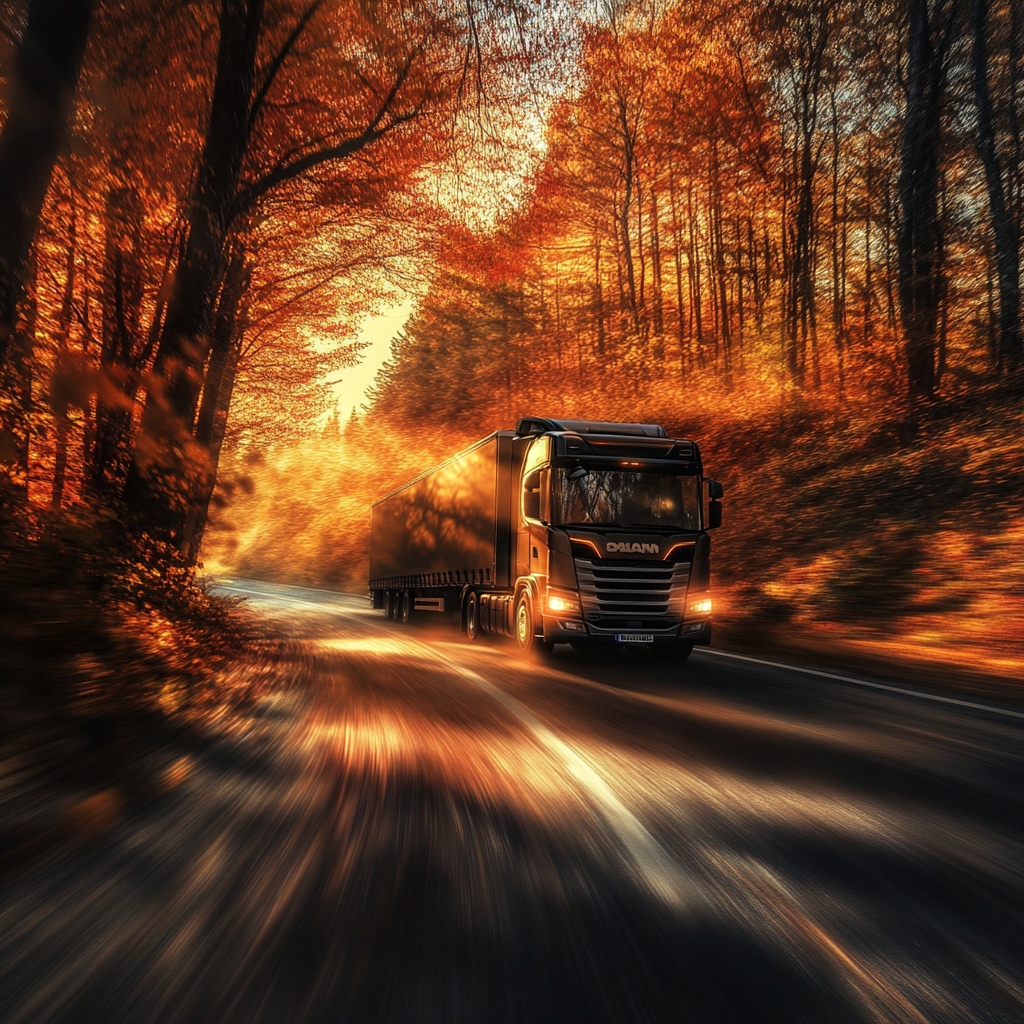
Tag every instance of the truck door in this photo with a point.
(532, 547)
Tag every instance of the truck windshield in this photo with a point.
(611, 497)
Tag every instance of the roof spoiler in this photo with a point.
(536, 425)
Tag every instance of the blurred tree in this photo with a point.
(375, 71)
(1005, 228)
(39, 104)
(931, 33)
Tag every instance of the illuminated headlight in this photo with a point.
(701, 607)
(576, 626)
(558, 603)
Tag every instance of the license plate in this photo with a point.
(634, 638)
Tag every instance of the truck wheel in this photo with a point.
(525, 631)
(407, 605)
(473, 630)
(389, 605)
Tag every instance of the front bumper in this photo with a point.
(689, 633)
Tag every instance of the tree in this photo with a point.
(234, 175)
(930, 34)
(38, 108)
(1005, 230)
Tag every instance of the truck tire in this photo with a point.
(525, 636)
(389, 605)
(406, 607)
(526, 625)
(473, 630)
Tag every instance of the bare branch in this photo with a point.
(346, 148)
(277, 62)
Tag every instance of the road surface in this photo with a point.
(414, 828)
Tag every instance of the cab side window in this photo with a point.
(536, 480)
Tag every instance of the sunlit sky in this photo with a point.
(379, 331)
(479, 194)
(480, 190)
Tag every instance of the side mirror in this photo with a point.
(715, 490)
(714, 513)
(531, 504)
(578, 473)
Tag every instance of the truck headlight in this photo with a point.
(701, 607)
(562, 603)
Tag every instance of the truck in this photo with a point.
(558, 532)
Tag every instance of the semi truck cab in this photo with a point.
(561, 531)
(612, 543)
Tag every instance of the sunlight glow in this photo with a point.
(378, 332)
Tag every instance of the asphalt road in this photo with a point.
(415, 828)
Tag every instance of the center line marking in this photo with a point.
(864, 682)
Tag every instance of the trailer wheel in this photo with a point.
(406, 607)
(388, 599)
(473, 630)
(526, 633)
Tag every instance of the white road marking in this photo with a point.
(864, 682)
(924, 695)
(662, 874)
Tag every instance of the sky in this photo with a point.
(350, 390)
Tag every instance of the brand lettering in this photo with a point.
(626, 548)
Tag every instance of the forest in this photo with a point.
(790, 230)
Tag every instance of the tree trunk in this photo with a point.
(624, 225)
(158, 481)
(838, 267)
(60, 458)
(16, 379)
(755, 273)
(887, 245)
(693, 267)
(1004, 228)
(39, 104)
(802, 298)
(867, 249)
(719, 270)
(919, 242)
(218, 388)
(678, 260)
(739, 287)
(659, 310)
(122, 355)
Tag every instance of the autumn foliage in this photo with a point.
(790, 229)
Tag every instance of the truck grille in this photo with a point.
(618, 594)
